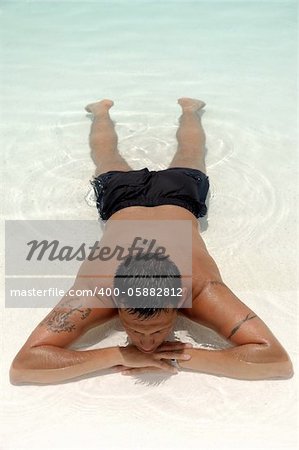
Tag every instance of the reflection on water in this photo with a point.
(58, 56)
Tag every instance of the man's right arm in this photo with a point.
(48, 364)
(45, 359)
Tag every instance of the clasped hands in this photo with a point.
(134, 361)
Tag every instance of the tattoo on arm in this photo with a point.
(235, 329)
(60, 320)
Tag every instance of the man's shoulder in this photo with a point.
(201, 283)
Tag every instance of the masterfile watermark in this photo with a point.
(52, 292)
(131, 263)
(54, 251)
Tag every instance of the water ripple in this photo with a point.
(29, 400)
(247, 201)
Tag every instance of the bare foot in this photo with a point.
(99, 107)
(191, 104)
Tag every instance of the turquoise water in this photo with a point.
(241, 59)
(239, 56)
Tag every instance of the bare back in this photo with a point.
(204, 268)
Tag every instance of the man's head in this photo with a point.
(147, 333)
(150, 293)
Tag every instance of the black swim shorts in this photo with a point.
(179, 186)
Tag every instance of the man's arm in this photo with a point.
(48, 364)
(45, 359)
(257, 354)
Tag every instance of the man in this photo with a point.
(254, 354)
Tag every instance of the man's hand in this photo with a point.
(135, 361)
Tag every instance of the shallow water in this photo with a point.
(240, 58)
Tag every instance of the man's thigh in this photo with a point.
(114, 163)
(191, 163)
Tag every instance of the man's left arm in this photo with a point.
(256, 354)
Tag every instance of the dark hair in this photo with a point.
(135, 274)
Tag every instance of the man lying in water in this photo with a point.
(177, 193)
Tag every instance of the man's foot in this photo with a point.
(191, 104)
(100, 107)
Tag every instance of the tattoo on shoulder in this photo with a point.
(60, 320)
(235, 329)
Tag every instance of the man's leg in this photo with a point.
(103, 139)
(191, 137)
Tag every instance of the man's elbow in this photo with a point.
(285, 367)
(19, 369)
(266, 360)
(282, 367)
(22, 375)
(16, 374)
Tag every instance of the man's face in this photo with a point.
(149, 333)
